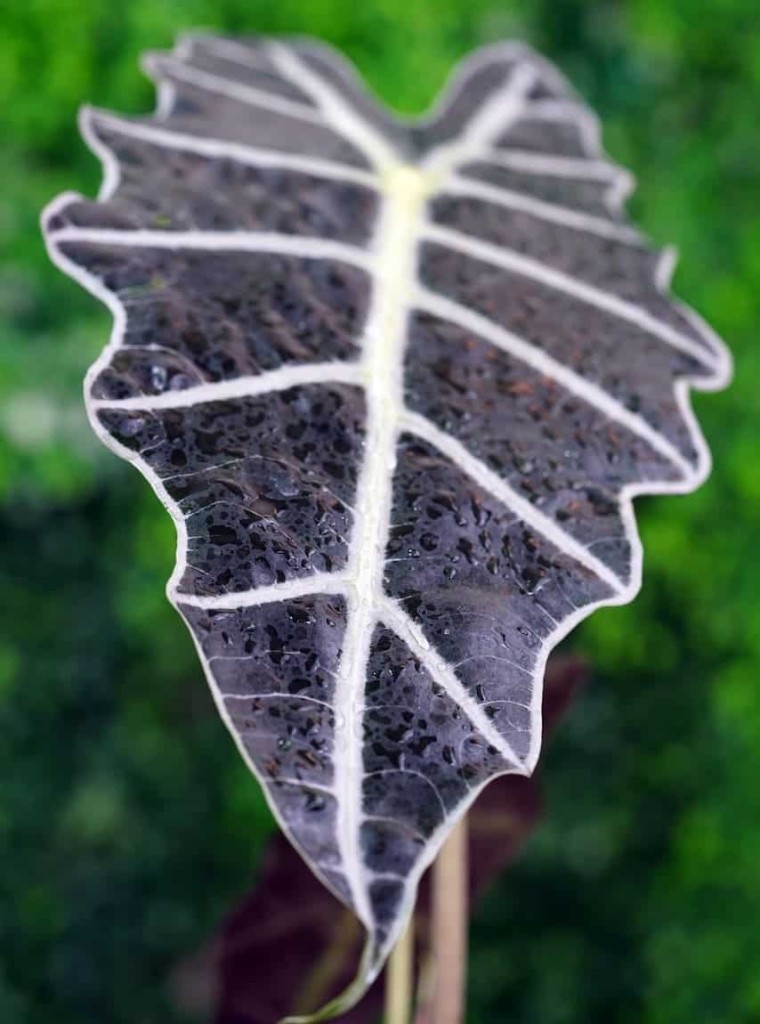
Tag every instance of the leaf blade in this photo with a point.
(328, 496)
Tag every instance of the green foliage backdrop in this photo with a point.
(127, 823)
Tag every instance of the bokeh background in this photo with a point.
(128, 824)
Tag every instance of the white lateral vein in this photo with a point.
(169, 66)
(414, 774)
(495, 116)
(554, 166)
(241, 387)
(503, 492)
(269, 242)
(319, 787)
(575, 219)
(219, 149)
(230, 51)
(288, 590)
(527, 352)
(519, 264)
(558, 110)
(272, 695)
(393, 615)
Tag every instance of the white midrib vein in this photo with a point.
(405, 190)
(385, 338)
(395, 245)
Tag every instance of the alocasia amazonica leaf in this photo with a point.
(397, 383)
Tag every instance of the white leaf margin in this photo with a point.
(441, 161)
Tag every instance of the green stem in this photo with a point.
(449, 929)
(398, 979)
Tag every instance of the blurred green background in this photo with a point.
(128, 824)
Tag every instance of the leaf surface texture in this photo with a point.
(397, 383)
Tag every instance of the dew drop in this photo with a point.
(314, 801)
(158, 377)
